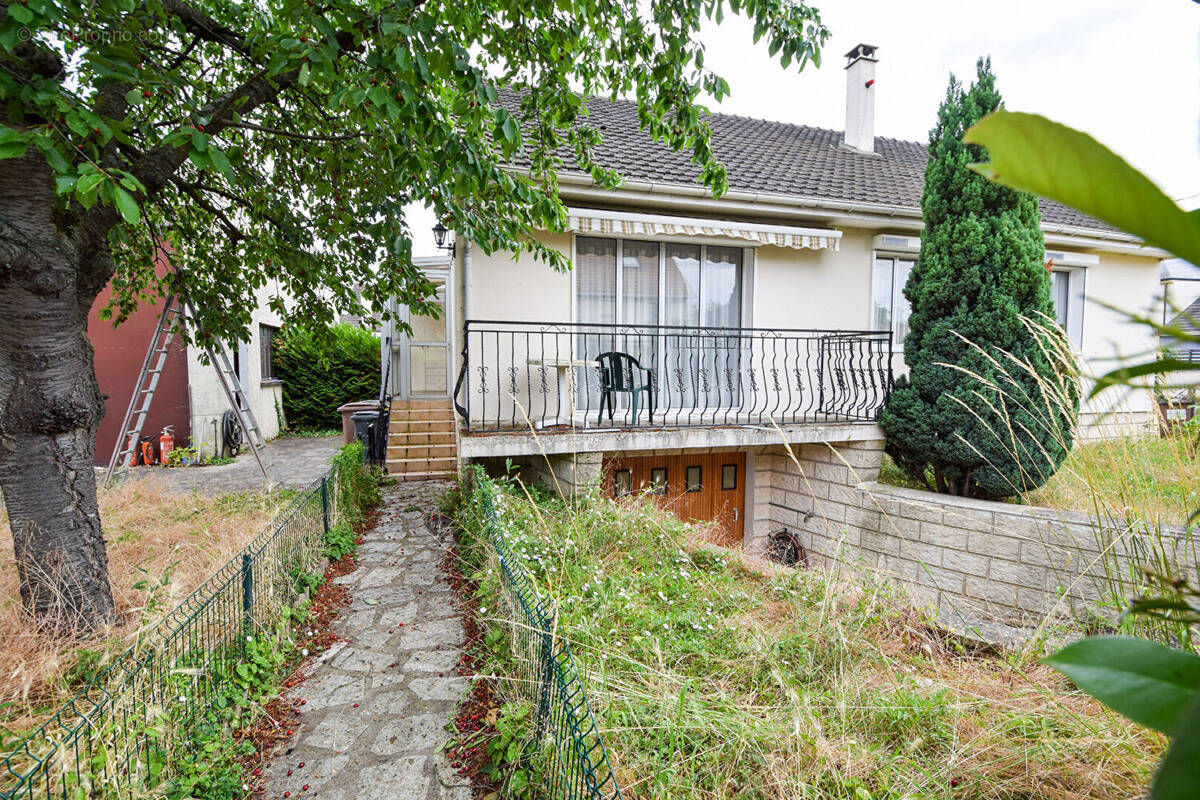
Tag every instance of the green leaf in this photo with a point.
(302, 79)
(20, 13)
(134, 97)
(126, 204)
(1032, 153)
(85, 189)
(12, 149)
(1123, 375)
(1147, 682)
(1179, 773)
(221, 162)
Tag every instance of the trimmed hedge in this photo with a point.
(322, 372)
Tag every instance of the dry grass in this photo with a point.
(717, 681)
(161, 546)
(1152, 479)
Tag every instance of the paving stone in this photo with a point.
(432, 661)
(423, 634)
(439, 688)
(329, 689)
(420, 732)
(389, 741)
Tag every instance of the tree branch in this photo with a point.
(300, 136)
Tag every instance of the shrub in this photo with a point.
(323, 371)
(356, 485)
(990, 402)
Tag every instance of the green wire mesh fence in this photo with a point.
(113, 739)
(567, 748)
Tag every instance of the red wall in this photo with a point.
(119, 356)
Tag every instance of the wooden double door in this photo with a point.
(697, 486)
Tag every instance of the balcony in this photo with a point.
(547, 377)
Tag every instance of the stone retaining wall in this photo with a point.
(968, 559)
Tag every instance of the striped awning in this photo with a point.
(623, 223)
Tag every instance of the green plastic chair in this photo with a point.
(620, 373)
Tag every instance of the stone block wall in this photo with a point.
(967, 559)
(568, 473)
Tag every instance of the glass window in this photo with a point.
(658, 480)
(639, 283)
(266, 337)
(728, 477)
(622, 482)
(596, 279)
(682, 300)
(1061, 291)
(889, 308)
(723, 287)
(693, 479)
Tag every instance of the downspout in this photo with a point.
(462, 371)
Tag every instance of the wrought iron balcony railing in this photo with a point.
(522, 375)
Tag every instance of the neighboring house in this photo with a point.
(1187, 321)
(772, 314)
(189, 396)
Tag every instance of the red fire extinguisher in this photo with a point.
(148, 450)
(166, 443)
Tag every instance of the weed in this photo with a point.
(711, 680)
(340, 541)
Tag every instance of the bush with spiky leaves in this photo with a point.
(990, 403)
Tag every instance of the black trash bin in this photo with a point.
(365, 432)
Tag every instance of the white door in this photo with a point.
(422, 359)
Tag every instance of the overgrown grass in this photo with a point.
(1148, 478)
(715, 680)
(161, 546)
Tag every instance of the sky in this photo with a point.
(1126, 72)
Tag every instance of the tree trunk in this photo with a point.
(50, 403)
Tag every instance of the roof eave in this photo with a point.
(872, 213)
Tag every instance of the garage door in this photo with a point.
(703, 486)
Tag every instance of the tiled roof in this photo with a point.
(779, 158)
(1188, 320)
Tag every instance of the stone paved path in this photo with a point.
(299, 461)
(398, 667)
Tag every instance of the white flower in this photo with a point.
(304, 652)
(249, 638)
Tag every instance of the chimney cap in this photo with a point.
(861, 51)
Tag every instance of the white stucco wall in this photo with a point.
(1120, 283)
(827, 289)
(208, 400)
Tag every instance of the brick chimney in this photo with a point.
(860, 98)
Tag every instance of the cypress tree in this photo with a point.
(989, 405)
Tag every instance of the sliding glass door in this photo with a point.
(639, 285)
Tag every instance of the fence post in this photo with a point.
(325, 503)
(248, 588)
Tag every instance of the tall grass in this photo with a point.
(1138, 492)
(716, 679)
(161, 546)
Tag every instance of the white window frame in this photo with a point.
(895, 255)
(1076, 300)
(746, 278)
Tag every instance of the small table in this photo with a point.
(566, 386)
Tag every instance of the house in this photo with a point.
(189, 396)
(773, 314)
(1181, 306)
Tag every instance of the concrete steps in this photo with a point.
(422, 441)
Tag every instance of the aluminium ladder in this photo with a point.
(125, 449)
